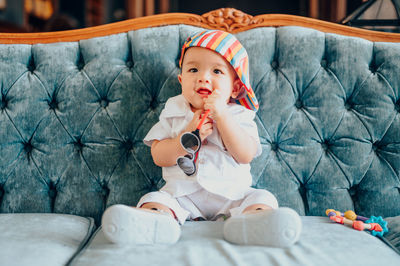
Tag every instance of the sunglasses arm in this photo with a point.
(203, 119)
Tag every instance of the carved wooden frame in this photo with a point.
(228, 19)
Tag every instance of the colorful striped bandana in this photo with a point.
(232, 50)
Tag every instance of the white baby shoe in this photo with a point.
(122, 224)
(276, 228)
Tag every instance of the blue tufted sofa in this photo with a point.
(76, 105)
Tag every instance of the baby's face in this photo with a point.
(204, 71)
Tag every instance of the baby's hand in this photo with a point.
(207, 127)
(216, 103)
(195, 121)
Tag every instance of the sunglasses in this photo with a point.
(191, 143)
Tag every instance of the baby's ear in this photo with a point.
(237, 88)
(180, 78)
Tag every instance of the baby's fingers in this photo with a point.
(208, 124)
(198, 114)
(206, 130)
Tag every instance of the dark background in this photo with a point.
(73, 14)
(252, 7)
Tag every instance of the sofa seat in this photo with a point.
(322, 242)
(42, 239)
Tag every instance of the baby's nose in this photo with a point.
(204, 78)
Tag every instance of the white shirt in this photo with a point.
(217, 170)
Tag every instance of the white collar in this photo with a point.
(178, 106)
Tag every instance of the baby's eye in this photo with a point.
(217, 71)
(193, 70)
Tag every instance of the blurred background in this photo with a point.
(54, 15)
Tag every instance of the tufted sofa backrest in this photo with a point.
(73, 116)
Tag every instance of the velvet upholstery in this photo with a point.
(73, 117)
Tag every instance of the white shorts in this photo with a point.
(208, 206)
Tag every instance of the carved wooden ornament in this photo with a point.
(228, 19)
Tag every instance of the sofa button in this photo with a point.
(397, 106)
(348, 105)
(324, 63)
(298, 104)
(104, 102)
(373, 68)
(325, 145)
(129, 64)
(80, 65)
(128, 145)
(78, 145)
(153, 104)
(3, 103)
(105, 192)
(31, 65)
(53, 104)
(28, 147)
(376, 146)
(274, 146)
(52, 193)
(52, 190)
(274, 64)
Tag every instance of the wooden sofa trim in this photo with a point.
(228, 19)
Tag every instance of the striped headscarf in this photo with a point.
(232, 50)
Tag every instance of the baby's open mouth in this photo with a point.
(204, 91)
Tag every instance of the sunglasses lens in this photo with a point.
(187, 165)
(190, 141)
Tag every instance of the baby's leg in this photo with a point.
(157, 208)
(262, 223)
(151, 223)
(257, 207)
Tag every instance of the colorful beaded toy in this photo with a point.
(376, 225)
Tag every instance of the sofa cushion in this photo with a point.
(322, 243)
(42, 239)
